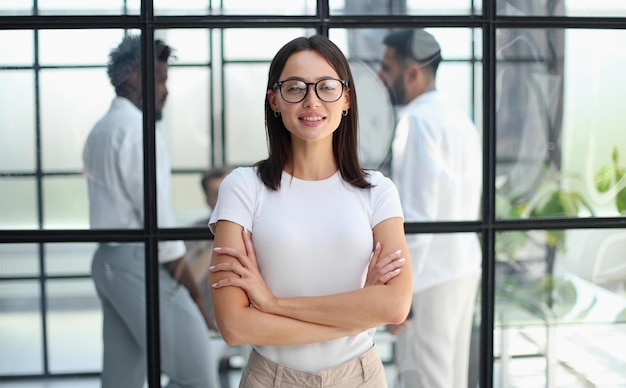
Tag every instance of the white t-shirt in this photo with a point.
(113, 164)
(437, 166)
(311, 238)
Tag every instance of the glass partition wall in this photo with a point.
(541, 80)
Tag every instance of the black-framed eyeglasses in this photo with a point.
(327, 90)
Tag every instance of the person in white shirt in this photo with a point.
(437, 166)
(113, 166)
(294, 234)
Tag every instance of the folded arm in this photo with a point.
(276, 321)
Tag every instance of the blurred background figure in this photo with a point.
(437, 166)
(113, 164)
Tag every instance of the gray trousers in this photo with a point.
(118, 273)
(433, 351)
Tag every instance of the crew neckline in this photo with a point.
(288, 178)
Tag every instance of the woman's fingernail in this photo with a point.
(398, 252)
(217, 249)
(377, 245)
(400, 260)
(211, 268)
(214, 285)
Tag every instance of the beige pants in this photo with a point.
(365, 371)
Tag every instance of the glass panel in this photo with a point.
(245, 133)
(16, 48)
(191, 46)
(556, 136)
(188, 199)
(20, 328)
(92, 7)
(18, 207)
(74, 325)
(259, 44)
(560, 307)
(64, 129)
(408, 7)
(186, 117)
(235, 7)
(18, 260)
(16, 7)
(573, 8)
(65, 203)
(69, 48)
(17, 131)
(65, 259)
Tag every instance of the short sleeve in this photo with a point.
(237, 198)
(385, 198)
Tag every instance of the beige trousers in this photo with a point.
(365, 371)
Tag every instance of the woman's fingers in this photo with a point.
(381, 270)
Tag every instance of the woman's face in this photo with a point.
(311, 119)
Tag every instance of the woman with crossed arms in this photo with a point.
(310, 250)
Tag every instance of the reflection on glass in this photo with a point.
(556, 136)
(561, 300)
(20, 328)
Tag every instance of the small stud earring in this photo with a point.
(345, 112)
(276, 114)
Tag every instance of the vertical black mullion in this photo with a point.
(43, 300)
(323, 15)
(222, 91)
(150, 201)
(488, 216)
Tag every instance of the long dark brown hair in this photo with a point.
(345, 138)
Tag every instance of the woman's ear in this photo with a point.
(346, 101)
(271, 98)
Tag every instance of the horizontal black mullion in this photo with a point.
(46, 277)
(559, 223)
(559, 22)
(48, 376)
(69, 22)
(72, 235)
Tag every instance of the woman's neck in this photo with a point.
(312, 162)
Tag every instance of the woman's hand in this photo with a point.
(250, 279)
(380, 271)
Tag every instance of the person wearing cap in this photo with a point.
(437, 167)
(113, 165)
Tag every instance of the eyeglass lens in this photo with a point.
(327, 90)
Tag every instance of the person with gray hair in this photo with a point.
(113, 165)
(437, 167)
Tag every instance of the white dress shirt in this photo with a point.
(437, 166)
(113, 163)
